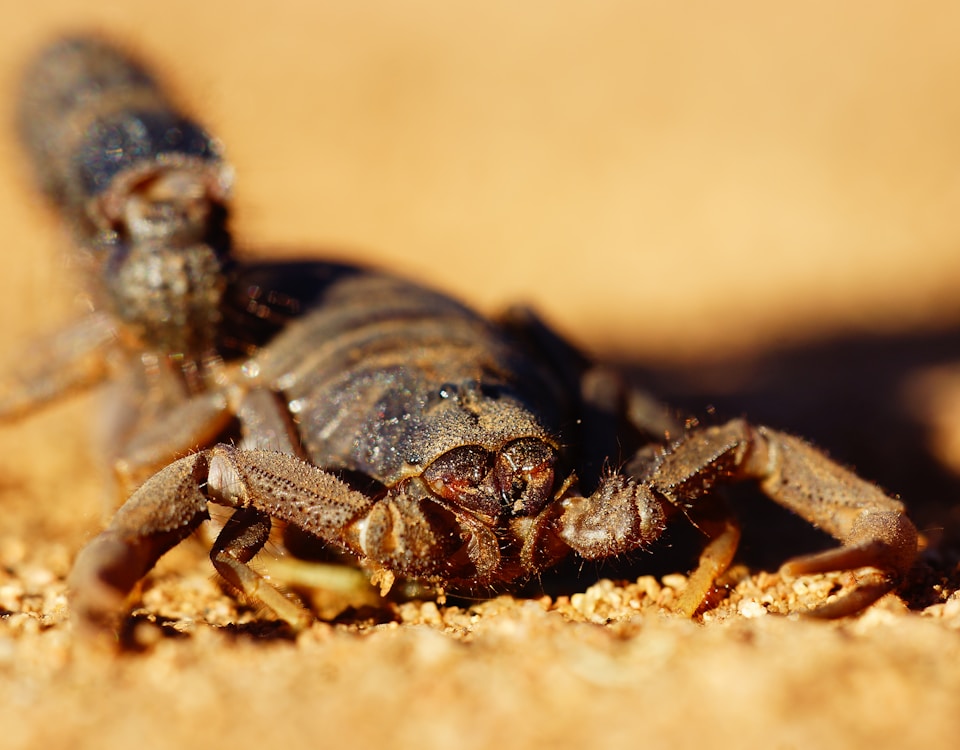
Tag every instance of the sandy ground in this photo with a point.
(752, 210)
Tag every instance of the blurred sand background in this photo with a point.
(751, 206)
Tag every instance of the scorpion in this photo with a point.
(385, 420)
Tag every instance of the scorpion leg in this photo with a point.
(241, 539)
(606, 390)
(716, 557)
(873, 528)
(70, 360)
(266, 423)
(198, 422)
(608, 400)
(185, 427)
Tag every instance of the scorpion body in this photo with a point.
(387, 420)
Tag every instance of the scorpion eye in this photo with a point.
(461, 475)
(525, 474)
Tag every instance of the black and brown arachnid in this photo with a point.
(388, 421)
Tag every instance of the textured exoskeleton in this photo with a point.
(385, 419)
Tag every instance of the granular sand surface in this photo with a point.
(752, 210)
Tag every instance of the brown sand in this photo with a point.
(751, 207)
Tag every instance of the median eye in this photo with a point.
(462, 476)
(525, 474)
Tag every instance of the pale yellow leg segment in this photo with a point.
(242, 537)
(714, 562)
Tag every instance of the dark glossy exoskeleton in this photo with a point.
(384, 419)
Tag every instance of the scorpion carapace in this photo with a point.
(486, 447)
